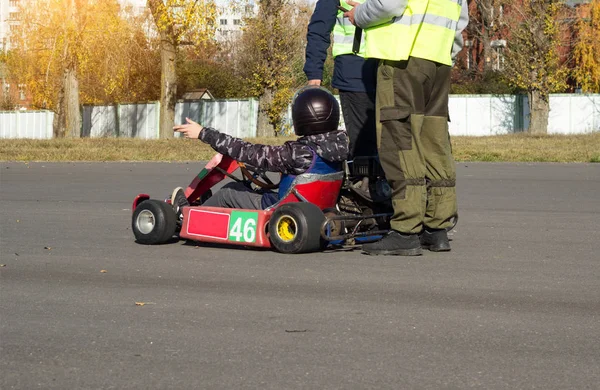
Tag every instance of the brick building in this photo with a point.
(487, 36)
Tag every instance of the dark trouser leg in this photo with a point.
(358, 109)
(409, 94)
(235, 195)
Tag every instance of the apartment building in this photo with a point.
(9, 20)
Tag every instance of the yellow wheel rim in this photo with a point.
(286, 228)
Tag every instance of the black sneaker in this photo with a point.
(436, 240)
(395, 243)
(179, 200)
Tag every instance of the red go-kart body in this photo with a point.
(292, 225)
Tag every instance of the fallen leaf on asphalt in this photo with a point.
(18, 221)
(48, 247)
(103, 271)
(16, 254)
(2, 265)
(140, 303)
(296, 331)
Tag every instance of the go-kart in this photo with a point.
(339, 208)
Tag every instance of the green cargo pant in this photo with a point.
(414, 143)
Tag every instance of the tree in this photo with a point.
(212, 69)
(270, 49)
(124, 60)
(178, 22)
(532, 59)
(587, 50)
(69, 52)
(47, 58)
(484, 25)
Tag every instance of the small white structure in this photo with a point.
(198, 94)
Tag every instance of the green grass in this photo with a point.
(509, 148)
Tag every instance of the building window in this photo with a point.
(13, 16)
(223, 22)
(498, 53)
(237, 22)
(469, 59)
(249, 9)
(22, 95)
(14, 3)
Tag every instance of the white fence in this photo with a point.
(238, 118)
(235, 117)
(26, 124)
(572, 114)
(471, 115)
(124, 120)
(480, 115)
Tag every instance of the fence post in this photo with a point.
(157, 119)
(117, 120)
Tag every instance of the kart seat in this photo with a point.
(320, 189)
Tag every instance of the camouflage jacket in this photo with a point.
(293, 157)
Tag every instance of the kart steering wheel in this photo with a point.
(257, 176)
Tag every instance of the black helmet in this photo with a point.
(314, 111)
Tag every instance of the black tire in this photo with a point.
(153, 222)
(296, 228)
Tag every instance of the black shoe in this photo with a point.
(179, 200)
(395, 243)
(436, 240)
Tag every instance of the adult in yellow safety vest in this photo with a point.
(353, 76)
(416, 41)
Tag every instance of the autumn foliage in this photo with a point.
(587, 50)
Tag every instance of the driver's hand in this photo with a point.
(316, 82)
(189, 130)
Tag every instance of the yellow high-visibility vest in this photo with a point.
(343, 34)
(425, 30)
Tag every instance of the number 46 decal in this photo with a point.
(242, 226)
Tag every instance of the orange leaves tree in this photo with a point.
(532, 59)
(69, 52)
(178, 22)
(586, 52)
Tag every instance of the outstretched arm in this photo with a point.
(284, 158)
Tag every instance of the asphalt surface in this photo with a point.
(515, 305)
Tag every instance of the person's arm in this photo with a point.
(285, 158)
(375, 12)
(318, 39)
(462, 24)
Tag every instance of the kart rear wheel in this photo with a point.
(153, 222)
(296, 228)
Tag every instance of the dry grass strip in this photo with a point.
(509, 148)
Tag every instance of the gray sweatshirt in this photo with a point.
(375, 12)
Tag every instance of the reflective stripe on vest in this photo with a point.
(343, 34)
(425, 30)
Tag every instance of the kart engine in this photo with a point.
(365, 193)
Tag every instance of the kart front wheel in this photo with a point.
(153, 222)
(296, 228)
